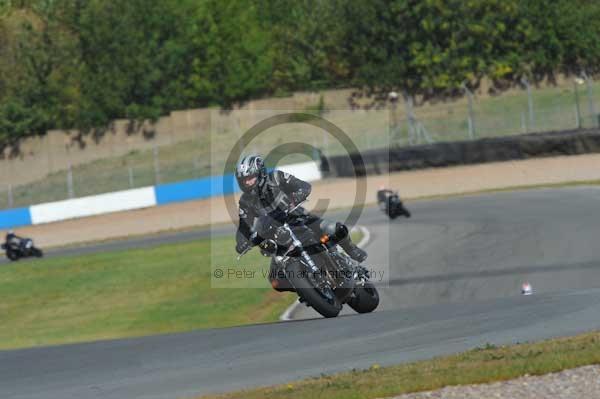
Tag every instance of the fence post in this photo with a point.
(408, 104)
(10, 196)
(529, 103)
(423, 133)
(156, 165)
(70, 190)
(393, 130)
(470, 120)
(590, 94)
(523, 123)
(325, 143)
(577, 109)
(131, 182)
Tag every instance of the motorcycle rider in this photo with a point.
(12, 239)
(274, 193)
(389, 201)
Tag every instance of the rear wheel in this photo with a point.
(323, 301)
(366, 298)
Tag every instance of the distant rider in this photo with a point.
(12, 239)
(275, 193)
(390, 203)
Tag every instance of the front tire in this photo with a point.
(12, 255)
(37, 252)
(366, 298)
(326, 307)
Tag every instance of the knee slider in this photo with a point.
(327, 227)
(336, 231)
(341, 231)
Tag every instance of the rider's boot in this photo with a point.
(278, 280)
(340, 235)
(352, 250)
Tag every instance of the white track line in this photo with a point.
(289, 312)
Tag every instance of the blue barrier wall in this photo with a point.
(140, 198)
(165, 194)
(10, 218)
(195, 189)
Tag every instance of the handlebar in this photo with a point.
(244, 253)
(296, 207)
(254, 234)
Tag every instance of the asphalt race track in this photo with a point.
(453, 281)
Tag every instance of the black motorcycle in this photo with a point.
(21, 248)
(391, 204)
(322, 276)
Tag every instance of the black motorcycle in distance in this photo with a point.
(323, 277)
(18, 248)
(390, 203)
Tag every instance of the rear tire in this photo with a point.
(327, 308)
(366, 298)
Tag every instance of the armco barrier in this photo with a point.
(145, 197)
(195, 189)
(223, 185)
(307, 171)
(465, 153)
(10, 218)
(93, 205)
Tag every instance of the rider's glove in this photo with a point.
(241, 246)
(298, 197)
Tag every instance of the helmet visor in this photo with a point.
(250, 181)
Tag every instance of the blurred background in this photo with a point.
(100, 96)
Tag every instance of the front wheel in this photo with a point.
(12, 255)
(366, 298)
(327, 305)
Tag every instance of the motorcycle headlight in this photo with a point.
(283, 236)
(268, 247)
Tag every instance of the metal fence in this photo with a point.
(400, 122)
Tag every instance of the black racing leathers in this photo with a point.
(280, 192)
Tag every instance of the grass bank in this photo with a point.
(129, 293)
(164, 289)
(479, 365)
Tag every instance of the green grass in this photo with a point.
(129, 293)
(133, 293)
(481, 365)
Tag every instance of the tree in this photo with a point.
(232, 59)
(40, 72)
(135, 59)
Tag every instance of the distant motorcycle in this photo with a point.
(391, 204)
(322, 276)
(18, 247)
